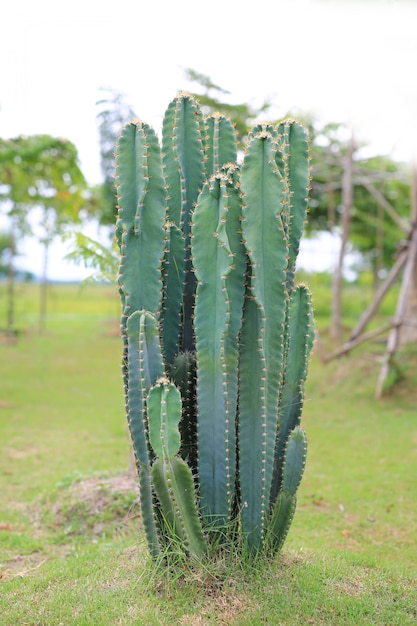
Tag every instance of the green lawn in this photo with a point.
(72, 549)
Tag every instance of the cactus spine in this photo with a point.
(216, 335)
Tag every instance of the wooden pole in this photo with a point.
(352, 343)
(405, 292)
(347, 202)
(379, 296)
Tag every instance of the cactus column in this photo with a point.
(263, 331)
(219, 261)
(216, 335)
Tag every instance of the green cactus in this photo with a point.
(219, 262)
(263, 331)
(216, 335)
(144, 367)
(300, 331)
(183, 160)
(220, 143)
(172, 478)
(292, 471)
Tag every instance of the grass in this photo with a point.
(72, 549)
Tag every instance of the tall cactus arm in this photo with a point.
(144, 366)
(262, 334)
(284, 508)
(235, 280)
(140, 232)
(235, 286)
(141, 196)
(251, 426)
(183, 160)
(171, 476)
(301, 337)
(220, 146)
(295, 160)
(217, 353)
(173, 269)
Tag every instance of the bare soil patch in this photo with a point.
(89, 509)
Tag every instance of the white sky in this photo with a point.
(351, 62)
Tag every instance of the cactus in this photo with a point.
(171, 476)
(216, 334)
(219, 262)
(284, 507)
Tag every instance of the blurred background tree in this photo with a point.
(212, 99)
(8, 251)
(43, 191)
(362, 199)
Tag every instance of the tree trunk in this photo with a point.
(405, 320)
(43, 289)
(409, 330)
(347, 202)
(379, 296)
(379, 263)
(10, 292)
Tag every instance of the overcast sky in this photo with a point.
(351, 62)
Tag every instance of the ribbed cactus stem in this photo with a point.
(262, 334)
(144, 364)
(183, 159)
(216, 335)
(164, 414)
(294, 460)
(171, 476)
(284, 508)
(141, 217)
(221, 146)
(300, 332)
(294, 157)
(219, 266)
(173, 269)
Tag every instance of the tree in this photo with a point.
(403, 327)
(241, 114)
(8, 250)
(42, 191)
(380, 205)
(380, 195)
(91, 253)
(363, 200)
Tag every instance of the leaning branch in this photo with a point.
(379, 296)
(353, 343)
(381, 199)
